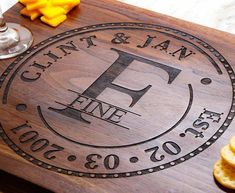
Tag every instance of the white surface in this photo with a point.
(219, 14)
(6, 4)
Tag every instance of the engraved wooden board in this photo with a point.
(117, 99)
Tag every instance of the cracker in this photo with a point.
(224, 174)
(228, 155)
(232, 144)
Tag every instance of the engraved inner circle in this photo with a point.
(106, 102)
(96, 86)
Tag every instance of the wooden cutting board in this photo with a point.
(118, 99)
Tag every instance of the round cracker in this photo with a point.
(228, 155)
(232, 143)
(224, 174)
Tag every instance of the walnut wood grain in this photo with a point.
(176, 90)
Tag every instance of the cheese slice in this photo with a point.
(52, 12)
(54, 22)
(32, 14)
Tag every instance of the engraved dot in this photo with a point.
(92, 175)
(162, 167)
(35, 47)
(191, 154)
(59, 170)
(206, 81)
(28, 52)
(75, 30)
(225, 124)
(214, 137)
(172, 163)
(49, 167)
(21, 57)
(200, 149)
(139, 172)
(208, 143)
(72, 158)
(232, 77)
(182, 159)
(226, 65)
(50, 39)
(212, 50)
(230, 117)
(151, 170)
(104, 175)
(21, 107)
(23, 154)
(80, 174)
(39, 163)
(216, 54)
(182, 134)
(58, 36)
(67, 32)
(134, 159)
(31, 159)
(70, 172)
(232, 111)
(115, 175)
(221, 131)
(128, 174)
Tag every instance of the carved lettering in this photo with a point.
(147, 42)
(182, 52)
(106, 81)
(70, 46)
(89, 41)
(27, 76)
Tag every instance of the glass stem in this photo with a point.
(3, 26)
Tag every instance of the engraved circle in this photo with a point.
(193, 153)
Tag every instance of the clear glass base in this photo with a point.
(14, 41)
